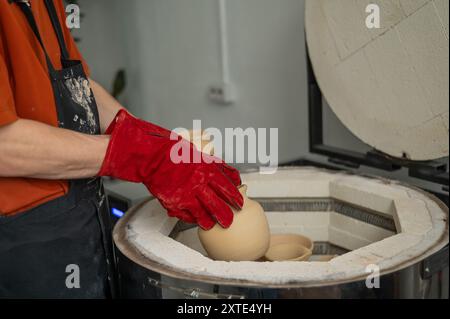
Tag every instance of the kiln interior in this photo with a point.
(366, 221)
(335, 227)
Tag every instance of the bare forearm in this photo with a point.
(35, 150)
(108, 106)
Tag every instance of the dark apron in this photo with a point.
(61, 249)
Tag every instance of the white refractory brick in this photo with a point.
(358, 228)
(317, 233)
(355, 260)
(439, 220)
(412, 217)
(288, 174)
(417, 247)
(350, 34)
(299, 219)
(411, 6)
(308, 183)
(391, 13)
(190, 239)
(445, 119)
(436, 209)
(346, 240)
(297, 189)
(442, 9)
(361, 192)
(393, 246)
(385, 249)
(329, 50)
(434, 127)
(424, 39)
(153, 219)
(363, 91)
(397, 79)
(394, 78)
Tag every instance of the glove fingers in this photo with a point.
(203, 219)
(232, 174)
(228, 192)
(198, 213)
(206, 222)
(229, 171)
(217, 208)
(182, 215)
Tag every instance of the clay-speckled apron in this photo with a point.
(62, 249)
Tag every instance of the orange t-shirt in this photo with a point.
(26, 92)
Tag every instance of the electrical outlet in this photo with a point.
(224, 94)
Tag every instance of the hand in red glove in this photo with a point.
(199, 193)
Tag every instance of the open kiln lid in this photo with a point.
(389, 86)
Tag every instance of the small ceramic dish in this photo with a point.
(277, 239)
(288, 252)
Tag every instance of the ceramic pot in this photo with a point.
(288, 252)
(247, 239)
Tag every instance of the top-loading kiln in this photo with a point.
(378, 228)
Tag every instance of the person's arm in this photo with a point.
(108, 106)
(35, 150)
(133, 150)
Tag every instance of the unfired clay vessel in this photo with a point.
(288, 252)
(247, 239)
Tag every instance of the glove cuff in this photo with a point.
(135, 147)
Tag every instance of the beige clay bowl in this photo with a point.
(288, 252)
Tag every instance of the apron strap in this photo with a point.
(57, 27)
(26, 9)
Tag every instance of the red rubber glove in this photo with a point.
(200, 193)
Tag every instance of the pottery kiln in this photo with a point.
(372, 224)
(367, 221)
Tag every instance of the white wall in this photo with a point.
(171, 51)
(101, 39)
